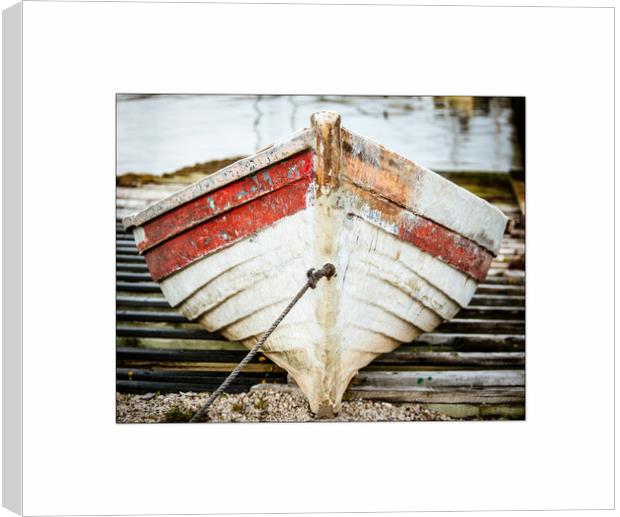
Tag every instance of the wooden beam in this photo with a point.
(326, 126)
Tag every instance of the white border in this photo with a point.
(77, 56)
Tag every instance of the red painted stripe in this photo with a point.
(448, 246)
(225, 229)
(226, 198)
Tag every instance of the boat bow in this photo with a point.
(409, 249)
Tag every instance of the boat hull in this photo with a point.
(233, 257)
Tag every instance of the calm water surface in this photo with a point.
(162, 133)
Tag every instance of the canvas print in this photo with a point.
(286, 258)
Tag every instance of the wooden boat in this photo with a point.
(409, 246)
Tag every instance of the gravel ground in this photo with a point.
(258, 406)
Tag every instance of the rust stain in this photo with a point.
(381, 171)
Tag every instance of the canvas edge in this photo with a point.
(12, 268)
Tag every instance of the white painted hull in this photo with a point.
(386, 292)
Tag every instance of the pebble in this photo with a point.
(261, 406)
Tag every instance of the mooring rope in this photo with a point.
(327, 271)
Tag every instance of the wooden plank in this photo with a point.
(326, 126)
(130, 276)
(150, 316)
(447, 245)
(445, 395)
(509, 290)
(479, 359)
(141, 342)
(376, 169)
(135, 386)
(190, 376)
(129, 267)
(136, 259)
(481, 397)
(199, 367)
(277, 152)
(469, 378)
(183, 338)
(482, 325)
(490, 312)
(178, 333)
(498, 300)
(126, 250)
(141, 301)
(505, 280)
(470, 340)
(138, 287)
(226, 198)
(503, 411)
(226, 229)
(409, 359)
(204, 355)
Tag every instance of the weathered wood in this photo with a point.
(138, 386)
(136, 259)
(482, 325)
(446, 395)
(490, 312)
(206, 355)
(509, 290)
(430, 237)
(142, 301)
(473, 341)
(373, 167)
(505, 280)
(180, 338)
(198, 367)
(174, 344)
(198, 377)
(279, 151)
(396, 360)
(502, 411)
(226, 229)
(224, 199)
(326, 126)
(498, 300)
(197, 333)
(470, 359)
(132, 276)
(138, 287)
(480, 397)
(469, 378)
(126, 250)
(132, 267)
(165, 316)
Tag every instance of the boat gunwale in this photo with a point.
(416, 171)
(303, 140)
(282, 149)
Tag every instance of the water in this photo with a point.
(162, 133)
